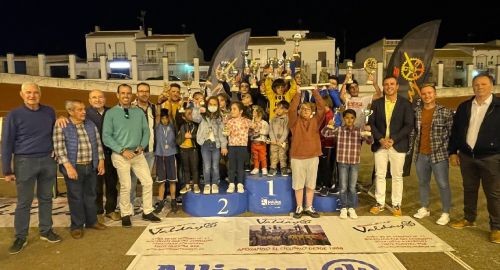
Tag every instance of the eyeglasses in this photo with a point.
(127, 116)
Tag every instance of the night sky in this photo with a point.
(60, 28)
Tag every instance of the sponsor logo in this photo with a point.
(340, 264)
(348, 264)
(270, 202)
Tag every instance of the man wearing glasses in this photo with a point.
(126, 132)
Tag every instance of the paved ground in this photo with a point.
(105, 250)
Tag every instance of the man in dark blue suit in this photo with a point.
(391, 124)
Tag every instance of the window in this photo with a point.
(120, 50)
(322, 58)
(100, 49)
(459, 65)
(151, 56)
(170, 51)
(272, 53)
(171, 55)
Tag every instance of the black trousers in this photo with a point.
(107, 183)
(190, 165)
(327, 168)
(237, 156)
(485, 171)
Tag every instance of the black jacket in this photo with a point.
(488, 138)
(401, 125)
(187, 126)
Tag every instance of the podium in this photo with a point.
(270, 195)
(330, 203)
(212, 205)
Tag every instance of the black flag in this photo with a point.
(410, 63)
(412, 57)
(228, 50)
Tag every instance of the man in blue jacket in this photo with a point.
(80, 155)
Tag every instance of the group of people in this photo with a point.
(305, 132)
(467, 138)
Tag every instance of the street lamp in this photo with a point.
(337, 53)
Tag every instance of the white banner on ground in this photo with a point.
(253, 235)
(281, 262)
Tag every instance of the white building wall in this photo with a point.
(486, 59)
(110, 46)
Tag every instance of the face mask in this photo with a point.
(212, 109)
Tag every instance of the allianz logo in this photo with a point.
(270, 202)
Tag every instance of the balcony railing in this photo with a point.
(96, 56)
(120, 56)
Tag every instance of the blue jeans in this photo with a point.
(211, 158)
(424, 168)
(348, 176)
(150, 158)
(29, 171)
(81, 197)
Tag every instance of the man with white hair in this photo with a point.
(27, 139)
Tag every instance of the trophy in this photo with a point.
(336, 112)
(246, 62)
(254, 67)
(187, 94)
(297, 38)
(233, 73)
(221, 73)
(370, 66)
(288, 69)
(279, 69)
(349, 71)
(367, 112)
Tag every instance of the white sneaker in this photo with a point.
(343, 213)
(230, 188)
(444, 219)
(255, 171)
(241, 188)
(185, 189)
(215, 189)
(196, 189)
(422, 212)
(206, 189)
(264, 171)
(352, 213)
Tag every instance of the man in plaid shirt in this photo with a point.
(348, 139)
(80, 154)
(433, 129)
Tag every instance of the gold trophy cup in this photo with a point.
(370, 66)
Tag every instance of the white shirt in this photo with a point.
(477, 113)
(358, 104)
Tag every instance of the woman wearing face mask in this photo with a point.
(213, 142)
